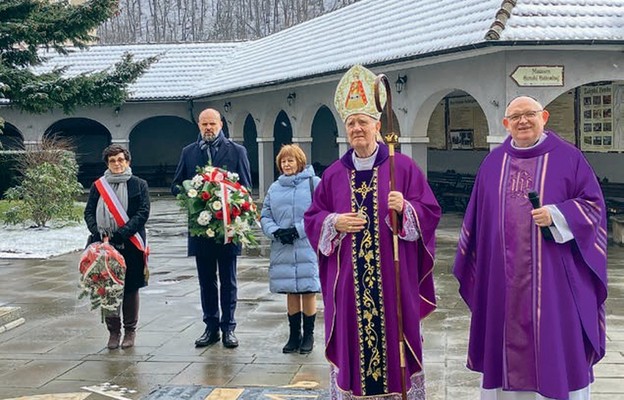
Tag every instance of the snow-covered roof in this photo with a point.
(180, 66)
(368, 32)
(566, 20)
(378, 31)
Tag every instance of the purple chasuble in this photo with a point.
(538, 321)
(358, 278)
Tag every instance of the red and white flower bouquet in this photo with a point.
(219, 207)
(103, 270)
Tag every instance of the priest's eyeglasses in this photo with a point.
(527, 115)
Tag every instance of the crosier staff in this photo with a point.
(392, 139)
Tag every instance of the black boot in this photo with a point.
(294, 340)
(130, 318)
(307, 344)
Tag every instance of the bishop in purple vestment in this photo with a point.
(538, 321)
(348, 225)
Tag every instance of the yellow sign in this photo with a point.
(538, 75)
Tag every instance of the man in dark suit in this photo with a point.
(213, 146)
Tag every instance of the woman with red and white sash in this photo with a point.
(118, 207)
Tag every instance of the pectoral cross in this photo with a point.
(363, 191)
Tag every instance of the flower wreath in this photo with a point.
(219, 207)
(102, 275)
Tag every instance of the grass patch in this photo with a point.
(77, 212)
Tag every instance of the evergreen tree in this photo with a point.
(26, 26)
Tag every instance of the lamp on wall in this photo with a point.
(291, 98)
(400, 83)
(227, 106)
(117, 109)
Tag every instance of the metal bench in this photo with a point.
(613, 193)
(451, 189)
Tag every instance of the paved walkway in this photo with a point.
(61, 346)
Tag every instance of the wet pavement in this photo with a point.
(59, 347)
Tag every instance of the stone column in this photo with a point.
(343, 145)
(265, 164)
(495, 140)
(306, 145)
(237, 139)
(32, 144)
(416, 149)
(122, 142)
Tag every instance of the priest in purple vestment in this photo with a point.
(348, 224)
(535, 280)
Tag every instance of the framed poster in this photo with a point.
(462, 139)
(596, 118)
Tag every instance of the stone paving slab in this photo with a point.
(234, 393)
(60, 349)
(10, 317)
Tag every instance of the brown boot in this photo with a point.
(128, 340)
(114, 328)
(130, 318)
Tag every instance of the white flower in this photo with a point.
(219, 177)
(192, 193)
(208, 169)
(217, 205)
(244, 241)
(197, 181)
(210, 232)
(204, 218)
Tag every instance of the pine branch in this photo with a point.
(26, 26)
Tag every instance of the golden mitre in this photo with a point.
(355, 93)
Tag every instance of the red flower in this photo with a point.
(219, 214)
(101, 291)
(236, 212)
(205, 196)
(246, 206)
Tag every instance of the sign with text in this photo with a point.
(538, 75)
(597, 124)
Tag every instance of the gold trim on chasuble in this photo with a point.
(368, 288)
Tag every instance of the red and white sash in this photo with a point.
(119, 214)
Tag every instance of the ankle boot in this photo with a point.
(294, 340)
(307, 344)
(113, 324)
(130, 318)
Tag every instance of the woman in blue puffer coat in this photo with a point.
(293, 269)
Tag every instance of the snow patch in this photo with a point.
(24, 242)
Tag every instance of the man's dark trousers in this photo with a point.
(211, 258)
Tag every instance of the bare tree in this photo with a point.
(155, 21)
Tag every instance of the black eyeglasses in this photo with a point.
(527, 115)
(116, 160)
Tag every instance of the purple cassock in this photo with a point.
(358, 276)
(538, 316)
